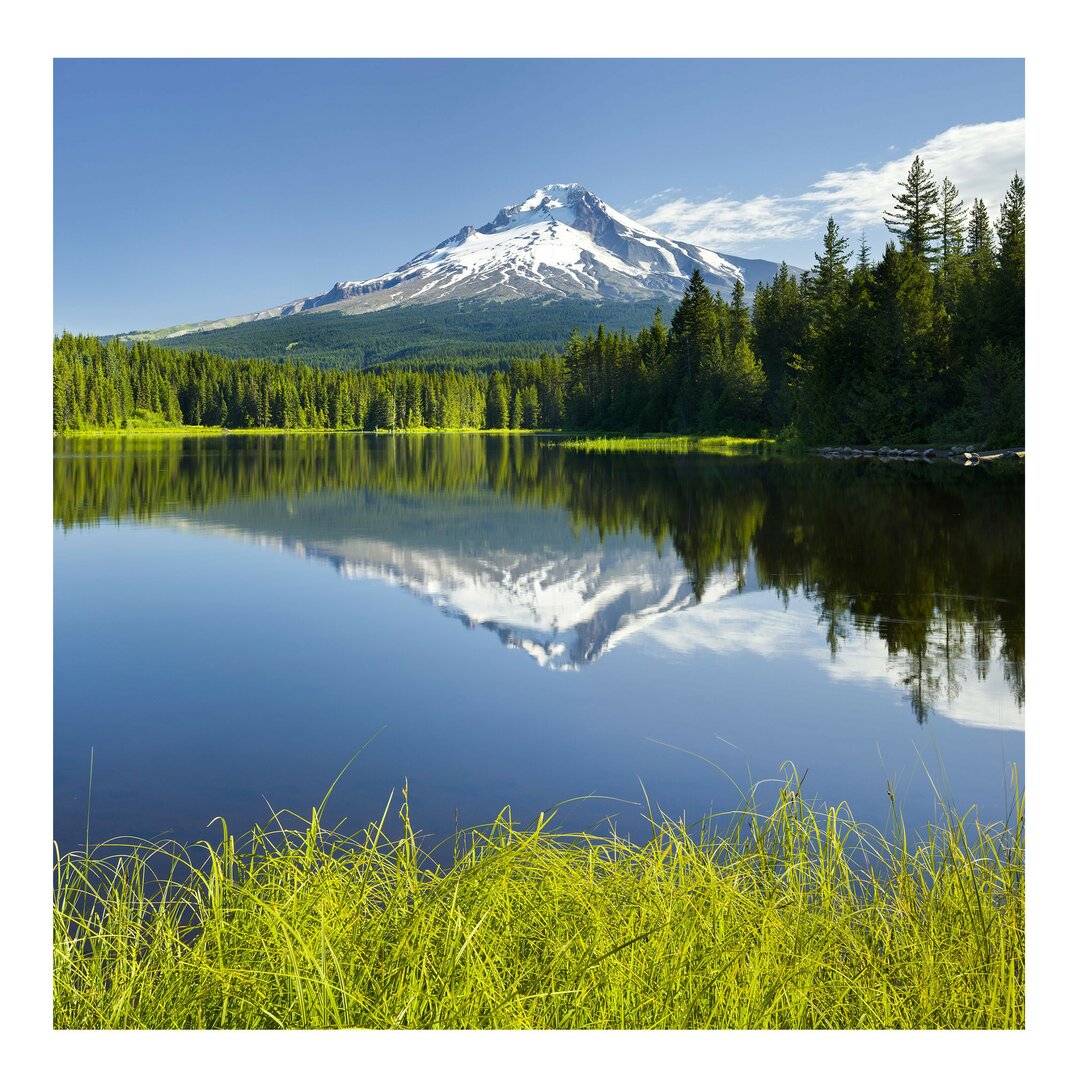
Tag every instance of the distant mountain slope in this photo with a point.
(471, 333)
(561, 246)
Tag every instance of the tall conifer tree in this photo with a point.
(694, 326)
(1009, 279)
(950, 250)
(914, 214)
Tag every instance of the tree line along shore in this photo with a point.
(924, 345)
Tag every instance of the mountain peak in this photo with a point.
(563, 194)
(546, 200)
(562, 241)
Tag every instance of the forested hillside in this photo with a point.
(458, 333)
(928, 342)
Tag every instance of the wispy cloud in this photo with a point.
(979, 158)
(727, 221)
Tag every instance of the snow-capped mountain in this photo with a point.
(561, 242)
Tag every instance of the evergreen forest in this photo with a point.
(926, 343)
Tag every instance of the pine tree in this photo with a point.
(657, 342)
(779, 335)
(825, 366)
(1008, 290)
(383, 418)
(980, 240)
(498, 408)
(78, 393)
(971, 322)
(173, 413)
(914, 218)
(531, 405)
(694, 327)
(291, 413)
(341, 405)
(829, 279)
(950, 237)
(898, 391)
(738, 326)
(61, 393)
(864, 254)
(744, 381)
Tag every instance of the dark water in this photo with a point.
(523, 624)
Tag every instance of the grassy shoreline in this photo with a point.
(588, 442)
(672, 444)
(788, 917)
(200, 430)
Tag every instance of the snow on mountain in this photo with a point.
(563, 241)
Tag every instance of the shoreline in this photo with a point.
(593, 442)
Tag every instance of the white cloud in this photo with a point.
(979, 159)
(728, 222)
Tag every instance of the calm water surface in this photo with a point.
(523, 625)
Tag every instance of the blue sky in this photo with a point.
(194, 189)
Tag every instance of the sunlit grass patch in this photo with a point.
(670, 444)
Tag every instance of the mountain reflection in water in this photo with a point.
(914, 571)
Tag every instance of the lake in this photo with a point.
(521, 624)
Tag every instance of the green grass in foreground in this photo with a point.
(792, 918)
